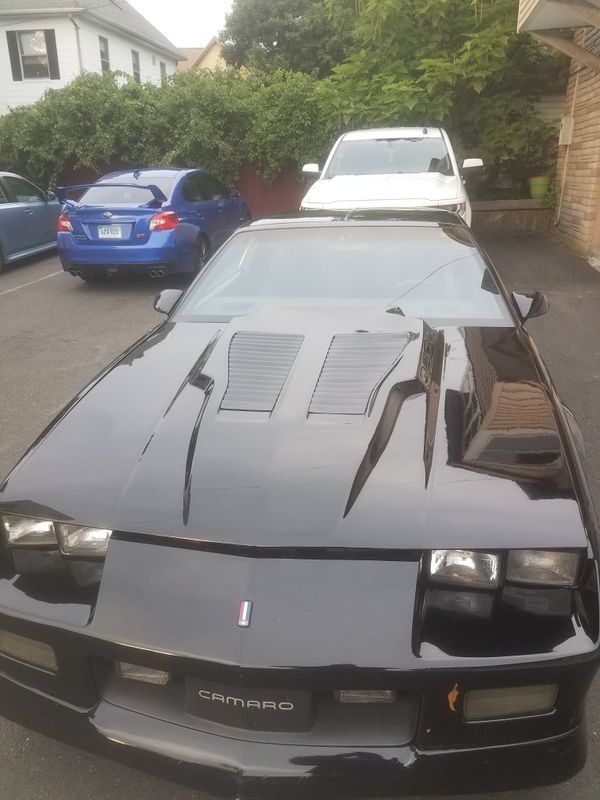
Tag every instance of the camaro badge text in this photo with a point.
(245, 614)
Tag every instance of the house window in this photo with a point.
(33, 55)
(135, 62)
(163, 70)
(104, 54)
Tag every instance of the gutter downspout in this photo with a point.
(78, 39)
(568, 153)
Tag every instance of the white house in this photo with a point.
(46, 44)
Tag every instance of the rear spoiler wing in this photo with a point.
(63, 191)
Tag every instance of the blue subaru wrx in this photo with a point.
(152, 222)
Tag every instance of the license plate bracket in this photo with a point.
(251, 709)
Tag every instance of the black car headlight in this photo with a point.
(77, 541)
(543, 567)
(474, 569)
(469, 568)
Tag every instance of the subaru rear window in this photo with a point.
(104, 194)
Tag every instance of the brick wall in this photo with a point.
(579, 220)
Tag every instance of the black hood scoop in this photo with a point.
(355, 366)
(259, 364)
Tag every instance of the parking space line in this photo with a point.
(30, 283)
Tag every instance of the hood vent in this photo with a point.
(259, 364)
(355, 366)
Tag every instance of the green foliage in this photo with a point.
(218, 121)
(286, 125)
(458, 63)
(453, 62)
(296, 35)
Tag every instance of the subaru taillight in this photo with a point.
(63, 224)
(165, 221)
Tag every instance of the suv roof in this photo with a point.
(422, 132)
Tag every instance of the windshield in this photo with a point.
(425, 272)
(389, 156)
(103, 194)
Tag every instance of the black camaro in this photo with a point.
(324, 531)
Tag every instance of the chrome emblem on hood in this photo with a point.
(107, 213)
(245, 614)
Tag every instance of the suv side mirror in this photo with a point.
(233, 194)
(311, 169)
(165, 301)
(50, 195)
(531, 304)
(472, 163)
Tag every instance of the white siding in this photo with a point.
(525, 9)
(120, 47)
(16, 93)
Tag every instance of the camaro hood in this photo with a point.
(316, 429)
(412, 190)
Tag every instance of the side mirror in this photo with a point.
(50, 195)
(531, 304)
(165, 302)
(311, 169)
(472, 163)
(234, 193)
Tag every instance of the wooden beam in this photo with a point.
(570, 48)
(583, 9)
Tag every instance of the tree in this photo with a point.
(296, 35)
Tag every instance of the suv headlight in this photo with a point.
(456, 208)
(73, 540)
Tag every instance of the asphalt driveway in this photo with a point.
(56, 333)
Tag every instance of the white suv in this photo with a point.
(391, 168)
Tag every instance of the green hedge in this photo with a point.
(219, 121)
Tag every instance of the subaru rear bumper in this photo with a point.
(84, 257)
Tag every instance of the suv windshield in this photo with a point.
(103, 194)
(389, 156)
(428, 272)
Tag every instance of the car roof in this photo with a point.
(424, 131)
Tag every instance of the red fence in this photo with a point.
(265, 199)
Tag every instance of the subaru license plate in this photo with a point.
(109, 232)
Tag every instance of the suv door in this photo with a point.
(38, 228)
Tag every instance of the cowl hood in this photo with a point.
(311, 429)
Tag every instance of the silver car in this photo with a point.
(28, 217)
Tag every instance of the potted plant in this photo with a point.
(541, 158)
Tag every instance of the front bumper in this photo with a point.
(230, 768)
(175, 609)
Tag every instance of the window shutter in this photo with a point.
(52, 55)
(13, 51)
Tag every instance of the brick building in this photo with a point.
(578, 170)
